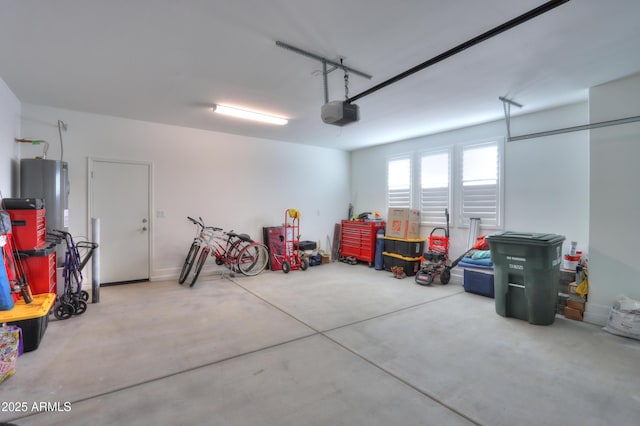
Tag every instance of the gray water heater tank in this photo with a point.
(48, 179)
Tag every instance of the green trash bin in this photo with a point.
(526, 274)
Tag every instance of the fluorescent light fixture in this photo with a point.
(249, 115)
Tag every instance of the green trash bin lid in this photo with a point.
(527, 238)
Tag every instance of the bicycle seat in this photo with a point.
(243, 237)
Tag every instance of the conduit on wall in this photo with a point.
(507, 117)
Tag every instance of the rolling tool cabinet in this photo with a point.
(358, 239)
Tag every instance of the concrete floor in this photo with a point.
(334, 345)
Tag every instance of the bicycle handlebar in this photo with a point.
(201, 224)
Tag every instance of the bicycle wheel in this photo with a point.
(253, 259)
(188, 262)
(201, 259)
(232, 254)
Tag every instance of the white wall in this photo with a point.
(615, 200)
(9, 130)
(546, 179)
(233, 182)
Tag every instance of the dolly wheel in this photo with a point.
(445, 276)
(304, 264)
(64, 311)
(81, 307)
(286, 267)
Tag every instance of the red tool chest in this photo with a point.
(358, 239)
(29, 232)
(29, 228)
(40, 269)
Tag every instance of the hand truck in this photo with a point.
(290, 259)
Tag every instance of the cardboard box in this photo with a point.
(572, 313)
(576, 303)
(403, 223)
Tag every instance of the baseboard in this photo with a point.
(165, 274)
(597, 314)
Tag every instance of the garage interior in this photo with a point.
(127, 91)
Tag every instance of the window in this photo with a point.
(464, 178)
(434, 187)
(479, 195)
(399, 182)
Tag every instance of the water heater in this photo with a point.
(48, 179)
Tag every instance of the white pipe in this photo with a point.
(95, 261)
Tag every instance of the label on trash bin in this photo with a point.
(516, 259)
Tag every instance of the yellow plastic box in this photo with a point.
(32, 318)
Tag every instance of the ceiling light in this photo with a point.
(249, 115)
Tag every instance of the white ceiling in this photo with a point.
(168, 61)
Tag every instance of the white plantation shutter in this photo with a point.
(465, 179)
(434, 187)
(399, 182)
(480, 194)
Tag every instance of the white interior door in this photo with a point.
(120, 199)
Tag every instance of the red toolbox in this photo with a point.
(40, 269)
(358, 239)
(29, 228)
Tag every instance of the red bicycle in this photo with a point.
(238, 252)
